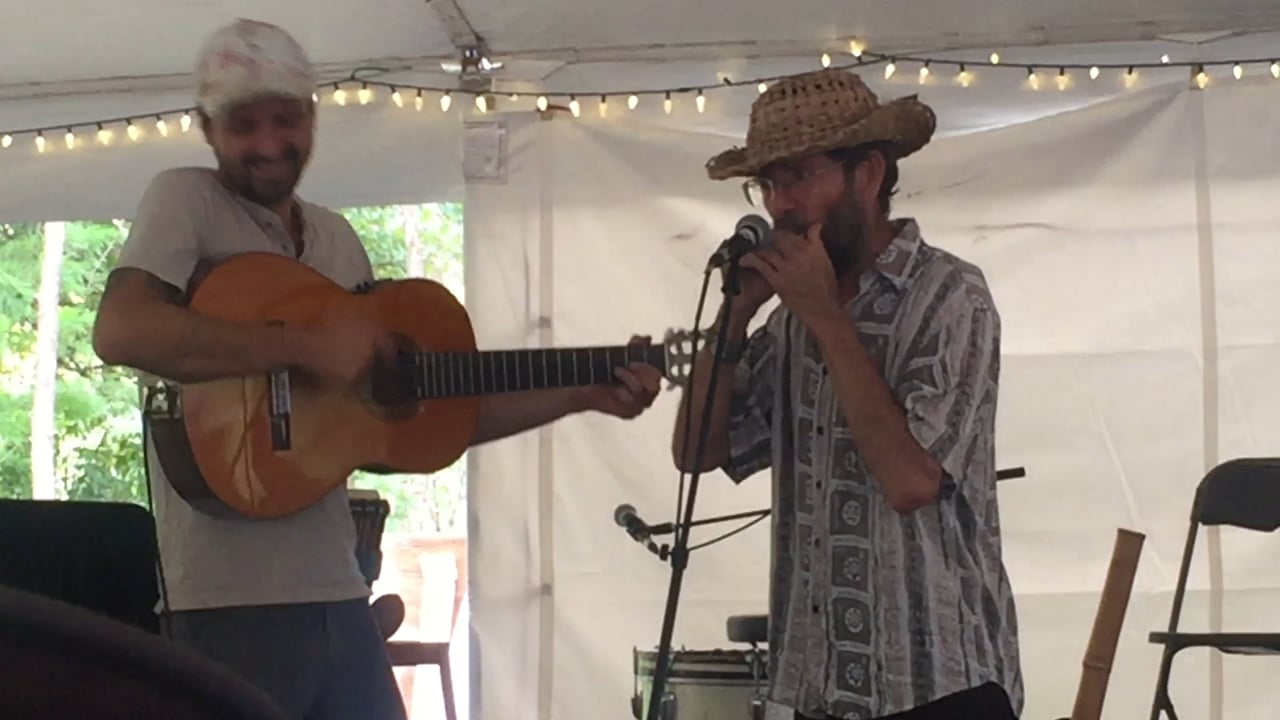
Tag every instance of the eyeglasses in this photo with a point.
(758, 190)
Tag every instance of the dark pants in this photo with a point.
(988, 701)
(321, 661)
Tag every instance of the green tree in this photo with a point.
(99, 425)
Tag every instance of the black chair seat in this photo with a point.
(1234, 643)
(748, 628)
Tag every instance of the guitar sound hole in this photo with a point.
(392, 387)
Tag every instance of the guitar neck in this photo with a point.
(460, 374)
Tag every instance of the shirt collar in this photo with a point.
(897, 260)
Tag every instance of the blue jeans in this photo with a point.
(319, 661)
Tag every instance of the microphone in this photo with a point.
(625, 516)
(751, 232)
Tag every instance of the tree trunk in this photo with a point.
(44, 474)
(413, 251)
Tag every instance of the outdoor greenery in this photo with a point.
(97, 434)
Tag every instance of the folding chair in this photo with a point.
(1243, 493)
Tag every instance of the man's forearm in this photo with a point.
(183, 346)
(716, 451)
(506, 414)
(908, 475)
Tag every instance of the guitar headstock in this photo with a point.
(679, 347)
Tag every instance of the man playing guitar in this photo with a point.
(281, 601)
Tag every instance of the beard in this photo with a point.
(844, 232)
(267, 190)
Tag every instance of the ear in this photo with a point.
(869, 175)
(206, 127)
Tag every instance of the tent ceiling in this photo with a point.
(341, 34)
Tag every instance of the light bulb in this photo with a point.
(1093, 72)
(762, 87)
(1033, 79)
(855, 48)
(826, 60)
(418, 101)
(701, 102)
(888, 69)
(1275, 70)
(162, 127)
(1130, 78)
(482, 104)
(1063, 79)
(185, 122)
(666, 104)
(1237, 71)
(604, 106)
(574, 106)
(1202, 78)
(104, 135)
(6, 141)
(632, 102)
(365, 95)
(924, 73)
(133, 130)
(542, 103)
(446, 100)
(39, 142)
(964, 77)
(995, 58)
(340, 96)
(69, 139)
(397, 98)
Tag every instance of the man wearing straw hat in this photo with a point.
(870, 392)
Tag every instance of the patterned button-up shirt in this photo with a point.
(872, 611)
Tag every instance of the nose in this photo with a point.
(270, 143)
(778, 204)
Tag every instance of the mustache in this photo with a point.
(791, 223)
(289, 153)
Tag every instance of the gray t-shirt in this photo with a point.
(188, 217)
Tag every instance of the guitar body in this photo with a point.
(247, 468)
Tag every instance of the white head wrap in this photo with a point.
(247, 60)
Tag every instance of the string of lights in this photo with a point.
(365, 90)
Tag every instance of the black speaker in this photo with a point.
(59, 661)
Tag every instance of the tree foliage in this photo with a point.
(99, 426)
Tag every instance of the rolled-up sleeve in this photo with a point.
(950, 381)
(751, 412)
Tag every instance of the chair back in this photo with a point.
(97, 555)
(1243, 493)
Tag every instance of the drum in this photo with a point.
(369, 512)
(704, 684)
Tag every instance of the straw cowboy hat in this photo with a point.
(820, 111)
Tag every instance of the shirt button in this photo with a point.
(815, 607)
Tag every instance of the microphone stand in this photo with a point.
(680, 553)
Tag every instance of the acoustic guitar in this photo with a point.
(269, 446)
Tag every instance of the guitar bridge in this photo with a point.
(281, 413)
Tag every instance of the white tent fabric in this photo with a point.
(1134, 280)
(1124, 235)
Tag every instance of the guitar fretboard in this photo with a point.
(457, 374)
